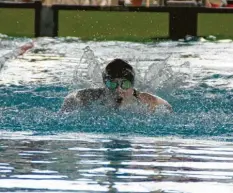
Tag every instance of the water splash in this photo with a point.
(158, 76)
(12, 49)
(161, 76)
(88, 73)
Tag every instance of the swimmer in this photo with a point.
(118, 91)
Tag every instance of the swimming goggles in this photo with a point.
(113, 84)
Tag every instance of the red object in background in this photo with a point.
(229, 3)
(136, 3)
(214, 5)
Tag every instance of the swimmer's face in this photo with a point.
(122, 87)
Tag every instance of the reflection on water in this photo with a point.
(101, 163)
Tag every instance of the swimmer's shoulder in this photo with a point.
(90, 94)
(152, 101)
(81, 97)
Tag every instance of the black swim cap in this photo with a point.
(119, 68)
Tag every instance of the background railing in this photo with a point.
(182, 20)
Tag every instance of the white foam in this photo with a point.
(58, 59)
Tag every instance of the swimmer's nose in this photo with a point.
(119, 89)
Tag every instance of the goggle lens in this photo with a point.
(111, 85)
(124, 84)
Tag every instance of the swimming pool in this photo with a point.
(99, 150)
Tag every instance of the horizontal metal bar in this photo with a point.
(110, 8)
(214, 10)
(141, 9)
(19, 5)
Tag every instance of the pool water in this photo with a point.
(101, 150)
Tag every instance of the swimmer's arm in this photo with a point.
(80, 98)
(71, 103)
(161, 101)
(154, 101)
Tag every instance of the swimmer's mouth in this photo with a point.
(119, 99)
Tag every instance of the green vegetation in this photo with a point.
(95, 25)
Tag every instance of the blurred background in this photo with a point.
(149, 3)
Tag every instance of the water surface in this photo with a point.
(99, 150)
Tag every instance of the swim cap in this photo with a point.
(119, 68)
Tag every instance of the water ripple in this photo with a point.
(105, 163)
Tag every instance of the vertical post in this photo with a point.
(37, 18)
(55, 21)
(46, 21)
(121, 2)
(161, 2)
(182, 22)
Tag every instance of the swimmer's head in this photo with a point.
(119, 68)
